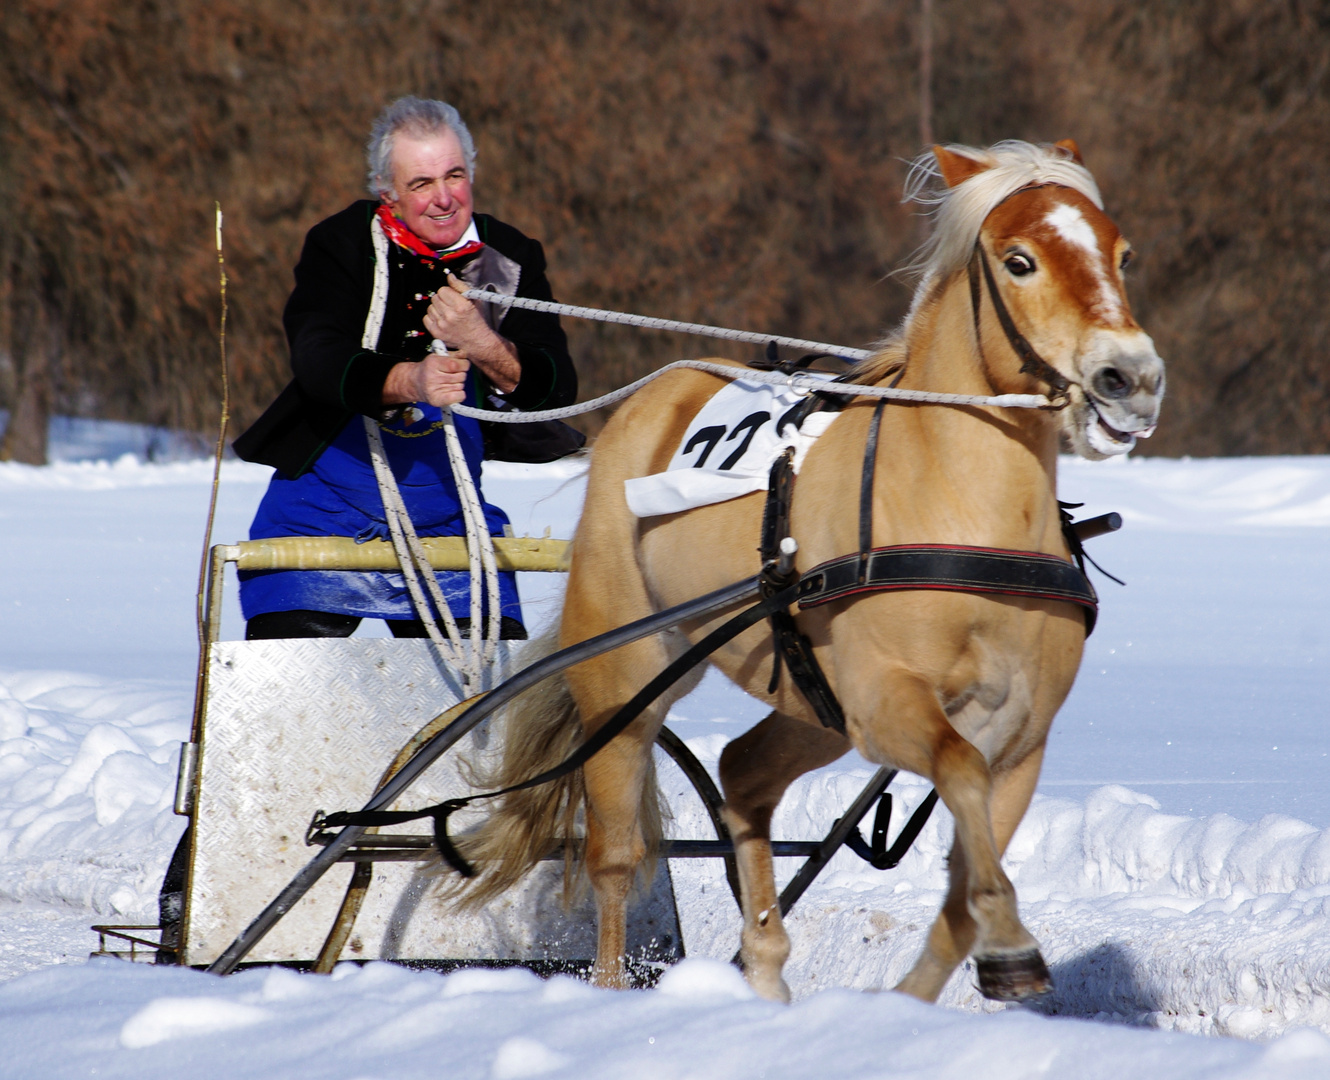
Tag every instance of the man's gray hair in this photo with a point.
(415, 116)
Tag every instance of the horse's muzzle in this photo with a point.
(1123, 381)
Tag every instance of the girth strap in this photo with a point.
(952, 568)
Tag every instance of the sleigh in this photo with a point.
(285, 728)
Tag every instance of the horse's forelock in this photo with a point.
(960, 211)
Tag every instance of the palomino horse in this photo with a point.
(960, 688)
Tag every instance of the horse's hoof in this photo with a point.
(772, 989)
(1017, 977)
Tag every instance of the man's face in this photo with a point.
(433, 190)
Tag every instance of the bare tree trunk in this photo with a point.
(926, 73)
(30, 418)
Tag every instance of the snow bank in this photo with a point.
(87, 778)
(74, 438)
(1200, 925)
(1207, 495)
(1119, 842)
(126, 471)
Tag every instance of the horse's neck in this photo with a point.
(992, 472)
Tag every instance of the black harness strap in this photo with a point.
(775, 527)
(797, 652)
(792, 648)
(952, 568)
(776, 512)
(867, 477)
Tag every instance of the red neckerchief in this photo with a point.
(403, 237)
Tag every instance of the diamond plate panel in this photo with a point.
(296, 726)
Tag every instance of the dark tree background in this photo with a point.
(735, 163)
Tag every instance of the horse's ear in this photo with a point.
(1070, 146)
(957, 168)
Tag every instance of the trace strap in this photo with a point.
(440, 812)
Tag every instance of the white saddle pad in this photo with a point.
(728, 449)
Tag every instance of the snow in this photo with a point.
(1175, 864)
(378, 1021)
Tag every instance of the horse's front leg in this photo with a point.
(980, 912)
(952, 935)
(755, 770)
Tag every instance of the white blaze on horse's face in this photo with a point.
(1059, 262)
(1069, 223)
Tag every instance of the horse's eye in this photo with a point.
(1125, 261)
(1018, 265)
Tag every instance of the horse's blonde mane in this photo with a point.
(959, 215)
(889, 356)
(960, 211)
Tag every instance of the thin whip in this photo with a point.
(202, 669)
(221, 430)
(806, 382)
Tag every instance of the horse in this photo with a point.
(957, 687)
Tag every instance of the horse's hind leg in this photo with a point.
(615, 846)
(1007, 978)
(619, 780)
(755, 770)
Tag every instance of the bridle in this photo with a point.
(1031, 362)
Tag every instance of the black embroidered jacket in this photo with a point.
(336, 379)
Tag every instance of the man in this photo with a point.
(375, 285)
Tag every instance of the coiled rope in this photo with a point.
(469, 664)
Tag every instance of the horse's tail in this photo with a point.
(541, 728)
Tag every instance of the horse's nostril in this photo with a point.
(1110, 383)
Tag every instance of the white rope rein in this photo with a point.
(646, 322)
(415, 565)
(728, 371)
(479, 542)
(806, 382)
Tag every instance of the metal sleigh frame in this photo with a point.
(355, 844)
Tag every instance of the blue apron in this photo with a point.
(340, 497)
